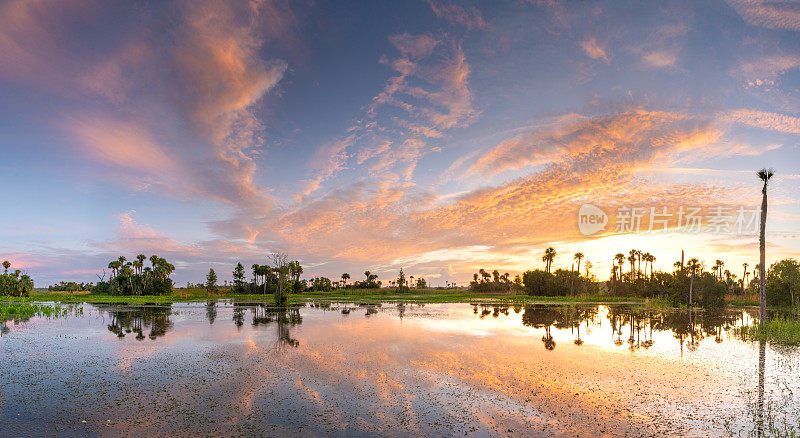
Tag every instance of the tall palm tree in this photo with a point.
(651, 258)
(744, 275)
(154, 261)
(639, 262)
(763, 175)
(548, 257)
(6, 265)
(256, 270)
(620, 259)
(632, 259)
(579, 256)
(345, 277)
(694, 266)
(648, 258)
(718, 265)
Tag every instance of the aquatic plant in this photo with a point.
(780, 329)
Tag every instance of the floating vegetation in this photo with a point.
(781, 329)
(25, 311)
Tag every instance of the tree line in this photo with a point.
(135, 278)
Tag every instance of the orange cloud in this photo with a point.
(122, 144)
(599, 160)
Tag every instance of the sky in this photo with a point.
(437, 136)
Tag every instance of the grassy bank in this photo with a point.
(384, 295)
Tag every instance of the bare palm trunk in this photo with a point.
(762, 248)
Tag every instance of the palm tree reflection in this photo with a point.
(631, 325)
(136, 319)
(762, 347)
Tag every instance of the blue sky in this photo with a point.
(437, 136)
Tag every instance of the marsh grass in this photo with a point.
(781, 329)
(742, 300)
(657, 303)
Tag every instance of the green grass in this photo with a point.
(782, 330)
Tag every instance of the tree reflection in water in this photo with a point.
(211, 311)
(762, 347)
(137, 319)
(282, 317)
(633, 325)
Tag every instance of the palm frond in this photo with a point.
(765, 174)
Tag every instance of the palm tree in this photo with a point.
(114, 266)
(297, 270)
(345, 277)
(578, 256)
(763, 175)
(744, 276)
(632, 259)
(693, 264)
(141, 258)
(639, 262)
(256, 270)
(154, 261)
(718, 265)
(6, 265)
(548, 257)
(651, 258)
(620, 259)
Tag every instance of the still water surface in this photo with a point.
(392, 369)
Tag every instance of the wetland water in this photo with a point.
(392, 369)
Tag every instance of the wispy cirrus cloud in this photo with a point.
(469, 17)
(430, 87)
(767, 120)
(769, 13)
(209, 79)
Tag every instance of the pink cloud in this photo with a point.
(471, 18)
